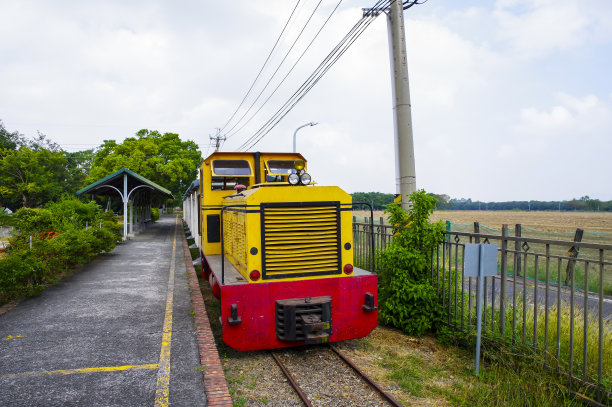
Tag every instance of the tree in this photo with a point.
(35, 171)
(162, 158)
(444, 201)
(378, 200)
(9, 141)
(31, 177)
(78, 165)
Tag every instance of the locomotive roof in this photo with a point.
(246, 154)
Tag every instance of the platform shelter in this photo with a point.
(137, 193)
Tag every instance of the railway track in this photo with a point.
(331, 383)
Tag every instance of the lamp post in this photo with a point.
(296, 130)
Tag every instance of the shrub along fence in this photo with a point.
(550, 299)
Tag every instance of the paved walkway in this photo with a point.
(119, 332)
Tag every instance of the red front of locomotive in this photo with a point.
(283, 314)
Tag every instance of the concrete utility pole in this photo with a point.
(405, 181)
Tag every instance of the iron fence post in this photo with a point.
(573, 253)
(504, 265)
(517, 247)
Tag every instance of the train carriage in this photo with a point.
(278, 253)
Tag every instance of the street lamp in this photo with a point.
(296, 130)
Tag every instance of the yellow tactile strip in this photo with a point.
(162, 394)
(217, 393)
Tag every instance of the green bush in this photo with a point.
(73, 212)
(21, 275)
(59, 243)
(32, 221)
(154, 214)
(406, 298)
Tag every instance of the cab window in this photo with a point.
(231, 167)
(280, 167)
(227, 183)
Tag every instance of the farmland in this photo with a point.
(547, 221)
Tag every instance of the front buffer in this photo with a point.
(292, 313)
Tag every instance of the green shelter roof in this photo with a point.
(116, 180)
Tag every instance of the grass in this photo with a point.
(557, 267)
(549, 340)
(422, 371)
(195, 253)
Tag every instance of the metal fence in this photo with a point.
(551, 298)
(363, 257)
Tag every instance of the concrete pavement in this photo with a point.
(118, 332)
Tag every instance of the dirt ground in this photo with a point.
(549, 221)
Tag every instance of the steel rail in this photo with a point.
(294, 384)
(365, 377)
(350, 364)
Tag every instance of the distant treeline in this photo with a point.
(379, 200)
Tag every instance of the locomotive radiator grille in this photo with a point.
(301, 241)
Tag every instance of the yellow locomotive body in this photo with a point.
(286, 276)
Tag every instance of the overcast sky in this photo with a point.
(511, 99)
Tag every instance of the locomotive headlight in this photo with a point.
(305, 178)
(299, 164)
(294, 179)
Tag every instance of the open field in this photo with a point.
(547, 221)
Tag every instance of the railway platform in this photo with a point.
(119, 331)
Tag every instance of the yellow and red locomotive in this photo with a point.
(278, 253)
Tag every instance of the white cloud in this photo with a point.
(572, 116)
(536, 28)
(499, 90)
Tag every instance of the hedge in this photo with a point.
(60, 242)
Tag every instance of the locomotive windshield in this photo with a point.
(280, 167)
(231, 167)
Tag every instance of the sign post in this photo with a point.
(480, 260)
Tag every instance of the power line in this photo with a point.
(314, 78)
(290, 70)
(263, 66)
(278, 67)
(331, 58)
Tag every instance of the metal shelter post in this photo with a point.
(125, 206)
(132, 216)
